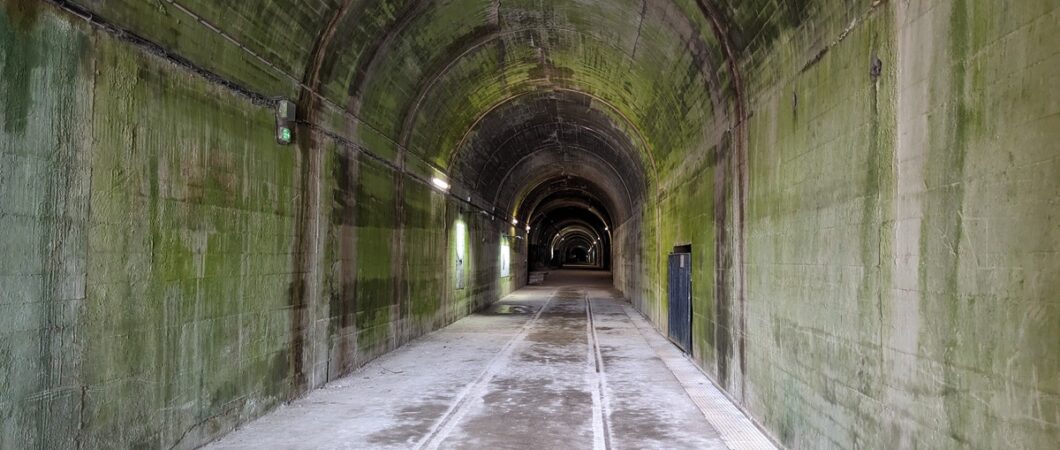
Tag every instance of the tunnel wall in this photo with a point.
(875, 259)
(170, 272)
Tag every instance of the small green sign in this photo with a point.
(285, 135)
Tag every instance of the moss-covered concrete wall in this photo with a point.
(869, 189)
(881, 269)
(169, 271)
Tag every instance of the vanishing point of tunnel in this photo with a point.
(529, 224)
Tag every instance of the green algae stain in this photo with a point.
(44, 60)
(171, 153)
(425, 223)
(942, 227)
(876, 193)
(19, 53)
(23, 14)
(376, 221)
(963, 117)
(547, 70)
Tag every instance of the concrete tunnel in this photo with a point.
(529, 224)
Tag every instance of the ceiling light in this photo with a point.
(440, 184)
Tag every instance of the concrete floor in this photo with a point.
(564, 365)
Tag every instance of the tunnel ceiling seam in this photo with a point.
(559, 224)
(542, 181)
(543, 211)
(520, 197)
(412, 114)
(322, 43)
(497, 149)
(545, 198)
(364, 73)
(640, 26)
(640, 137)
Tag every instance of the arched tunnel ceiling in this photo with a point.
(575, 232)
(653, 63)
(349, 42)
(475, 86)
(560, 196)
(574, 236)
(550, 170)
(560, 219)
(586, 211)
(550, 136)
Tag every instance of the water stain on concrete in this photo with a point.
(503, 309)
(415, 421)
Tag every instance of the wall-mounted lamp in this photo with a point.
(515, 221)
(440, 184)
(528, 228)
(285, 115)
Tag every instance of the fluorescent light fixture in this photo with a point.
(515, 221)
(440, 183)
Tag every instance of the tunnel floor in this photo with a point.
(568, 364)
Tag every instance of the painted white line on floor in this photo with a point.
(597, 379)
(736, 429)
(476, 389)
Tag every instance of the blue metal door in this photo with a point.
(681, 300)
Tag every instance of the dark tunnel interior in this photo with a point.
(844, 213)
(561, 166)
